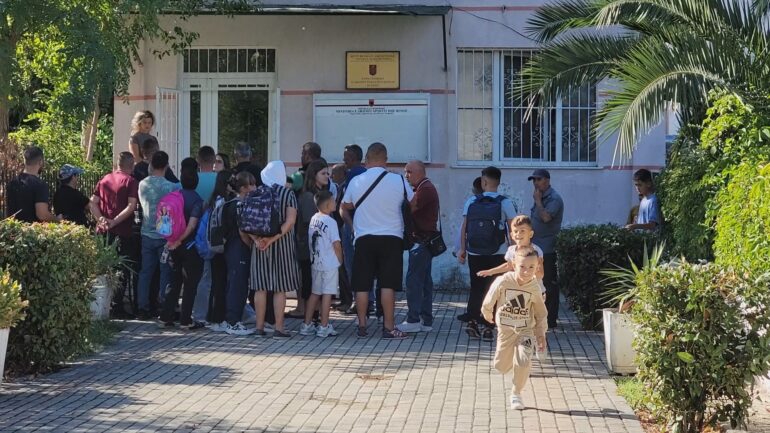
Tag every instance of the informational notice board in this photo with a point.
(401, 121)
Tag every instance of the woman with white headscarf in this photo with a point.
(274, 266)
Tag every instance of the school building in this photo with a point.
(431, 79)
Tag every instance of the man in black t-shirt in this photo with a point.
(68, 201)
(27, 193)
(142, 169)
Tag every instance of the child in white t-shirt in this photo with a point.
(521, 235)
(325, 258)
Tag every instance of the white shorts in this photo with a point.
(325, 282)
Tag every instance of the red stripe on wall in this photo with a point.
(395, 164)
(312, 92)
(634, 167)
(135, 98)
(496, 8)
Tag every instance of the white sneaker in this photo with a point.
(306, 329)
(424, 328)
(409, 327)
(217, 327)
(516, 402)
(239, 329)
(326, 331)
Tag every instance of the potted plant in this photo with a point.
(619, 330)
(11, 311)
(108, 267)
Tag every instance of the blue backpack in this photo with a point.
(201, 237)
(258, 212)
(485, 229)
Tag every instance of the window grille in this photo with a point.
(228, 60)
(492, 121)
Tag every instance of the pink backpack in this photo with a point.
(169, 216)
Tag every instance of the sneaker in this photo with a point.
(342, 308)
(361, 333)
(326, 331)
(488, 334)
(217, 327)
(239, 329)
(465, 317)
(409, 327)
(193, 326)
(165, 325)
(516, 402)
(426, 328)
(281, 334)
(394, 334)
(473, 330)
(352, 310)
(307, 329)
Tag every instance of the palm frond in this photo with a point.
(621, 283)
(552, 19)
(568, 63)
(656, 72)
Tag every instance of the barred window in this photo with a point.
(492, 118)
(228, 60)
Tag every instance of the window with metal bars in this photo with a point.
(228, 60)
(493, 124)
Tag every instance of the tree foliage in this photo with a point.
(83, 49)
(654, 52)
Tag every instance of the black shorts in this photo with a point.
(380, 258)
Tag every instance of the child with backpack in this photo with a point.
(178, 217)
(521, 318)
(484, 241)
(326, 258)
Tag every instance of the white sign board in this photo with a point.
(401, 121)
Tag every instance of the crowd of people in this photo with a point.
(233, 239)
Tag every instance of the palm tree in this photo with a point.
(651, 52)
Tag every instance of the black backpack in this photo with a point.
(485, 228)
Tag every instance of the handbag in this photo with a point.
(435, 244)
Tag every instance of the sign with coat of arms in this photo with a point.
(373, 70)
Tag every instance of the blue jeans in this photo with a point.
(238, 258)
(201, 306)
(151, 251)
(419, 286)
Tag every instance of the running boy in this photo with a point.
(521, 234)
(521, 319)
(325, 258)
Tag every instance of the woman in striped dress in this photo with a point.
(274, 266)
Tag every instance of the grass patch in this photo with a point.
(632, 390)
(101, 333)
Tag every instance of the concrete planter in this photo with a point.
(619, 335)
(3, 347)
(100, 306)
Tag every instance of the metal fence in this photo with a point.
(87, 184)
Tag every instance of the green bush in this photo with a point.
(743, 219)
(11, 305)
(55, 264)
(702, 336)
(582, 252)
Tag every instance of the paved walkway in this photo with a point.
(172, 380)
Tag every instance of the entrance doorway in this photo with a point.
(224, 112)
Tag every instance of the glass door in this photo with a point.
(224, 112)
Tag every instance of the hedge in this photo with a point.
(582, 252)
(55, 264)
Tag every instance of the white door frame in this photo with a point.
(210, 86)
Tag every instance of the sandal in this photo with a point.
(395, 334)
(362, 332)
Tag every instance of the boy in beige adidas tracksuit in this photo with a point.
(521, 319)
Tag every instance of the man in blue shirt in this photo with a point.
(649, 215)
(546, 215)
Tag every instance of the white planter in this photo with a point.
(619, 334)
(3, 346)
(100, 306)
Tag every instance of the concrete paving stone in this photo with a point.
(157, 380)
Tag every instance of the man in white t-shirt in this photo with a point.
(378, 227)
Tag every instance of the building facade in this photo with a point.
(437, 89)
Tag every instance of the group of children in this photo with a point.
(516, 304)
